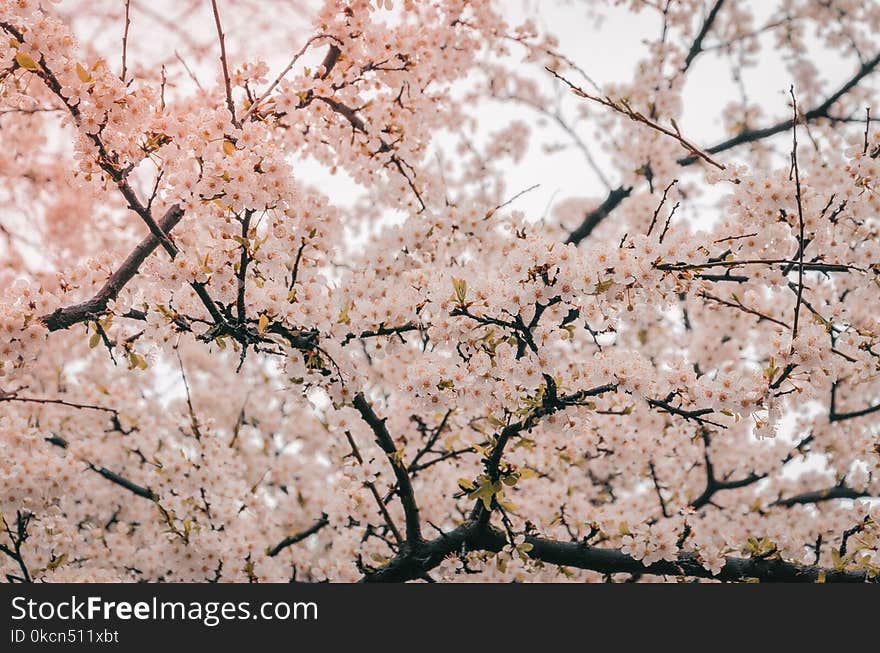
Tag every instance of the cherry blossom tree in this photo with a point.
(214, 367)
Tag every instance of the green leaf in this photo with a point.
(485, 491)
(460, 287)
(494, 421)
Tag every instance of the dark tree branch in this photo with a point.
(432, 440)
(12, 396)
(389, 522)
(405, 488)
(742, 307)
(839, 417)
(594, 217)
(475, 536)
(123, 482)
(622, 106)
(551, 403)
(811, 266)
(697, 46)
(835, 416)
(747, 136)
(658, 490)
(611, 561)
(820, 111)
(298, 537)
(17, 537)
(381, 331)
(696, 414)
(800, 212)
(819, 496)
(125, 40)
(243, 262)
(111, 476)
(330, 60)
(64, 318)
(714, 485)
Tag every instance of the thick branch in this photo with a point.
(818, 496)
(474, 537)
(123, 482)
(594, 217)
(386, 443)
(839, 417)
(697, 45)
(64, 318)
(610, 561)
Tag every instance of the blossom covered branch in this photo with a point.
(316, 305)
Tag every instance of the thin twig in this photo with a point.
(284, 72)
(224, 64)
(298, 537)
(660, 206)
(125, 39)
(622, 106)
(800, 208)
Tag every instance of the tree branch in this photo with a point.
(298, 537)
(107, 161)
(800, 212)
(224, 63)
(386, 443)
(330, 60)
(839, 417)
(820, 111)
(819, 496)
(594, 217)
(697, 45)
(64, 318)
(473, 536)
(111, 476)
(747, 136)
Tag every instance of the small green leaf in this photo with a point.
(485, 491)
(460, 287)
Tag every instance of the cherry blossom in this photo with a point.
(215, 365)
